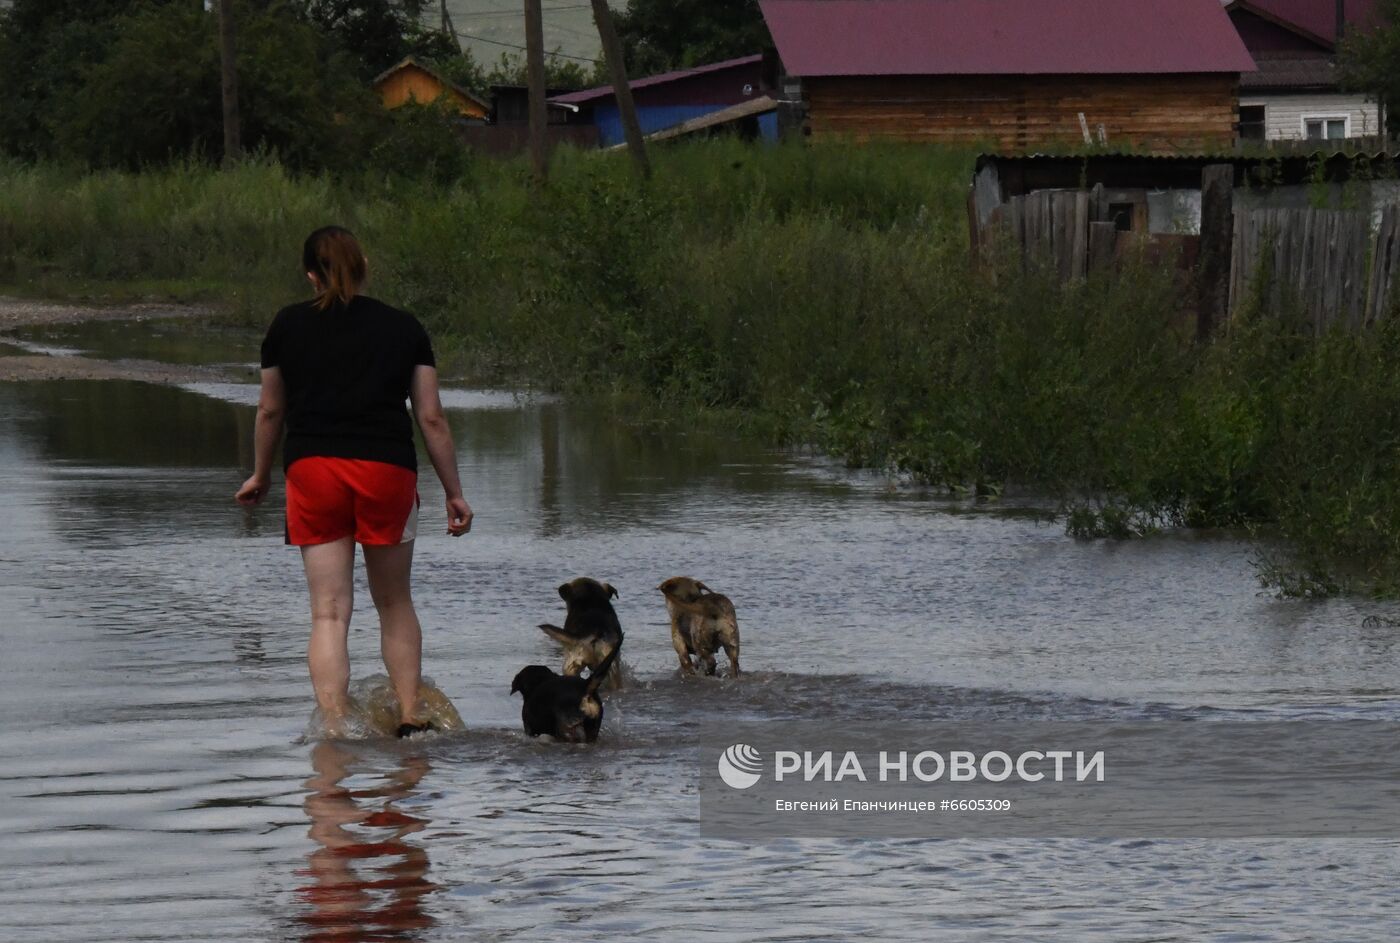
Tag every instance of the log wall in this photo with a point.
(1162, 113)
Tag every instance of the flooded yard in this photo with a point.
(155, 783)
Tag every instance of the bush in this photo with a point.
(826, 291)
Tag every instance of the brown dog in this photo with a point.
(701, 623)
(591, 631)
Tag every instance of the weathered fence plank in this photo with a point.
(1329, 266)
(1317, 261)
(1217, 238)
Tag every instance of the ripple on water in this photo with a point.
(154, 784)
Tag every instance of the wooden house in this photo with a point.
(1015, 74)
(1295, 95)
(672, 99)
(411, 81)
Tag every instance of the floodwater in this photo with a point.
(155, 783)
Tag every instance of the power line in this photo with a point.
(497, 42)
(572, 6)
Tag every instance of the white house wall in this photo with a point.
(1284, 114)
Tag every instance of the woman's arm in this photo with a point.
(437, 436)
(267, 433)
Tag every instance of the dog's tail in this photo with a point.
(600, 674)
(560, 635)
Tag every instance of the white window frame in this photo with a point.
(1345, 119)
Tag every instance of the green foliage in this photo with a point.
(1369, 59)
(560, 73)
(825, 290)
(155, 95)
(134, 83)
(44, 44)
(377, 34)
(462, 70)
(419, 142)
(660, 35)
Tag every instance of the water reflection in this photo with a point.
(177, 340)
(367, 880)
(552, 470)
(129, 425)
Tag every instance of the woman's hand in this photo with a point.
(459, 516)
(267, 432)
(437, 437)
(256, 487)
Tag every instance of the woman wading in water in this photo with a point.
(335, 372)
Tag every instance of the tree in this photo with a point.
(1369, 59)
(660, 35)
(133, 83)
(378, 34)
(155, 95)
(43, 46)
(559, 72)
(461, 69)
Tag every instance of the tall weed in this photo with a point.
(827, 290)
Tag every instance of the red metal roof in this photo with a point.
(606, 91)
(1317, 17)
(1004, 37)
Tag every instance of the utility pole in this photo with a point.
(534, 69)
(233, 142)
(448, 29)
(617, 69)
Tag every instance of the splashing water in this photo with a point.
(374, 712)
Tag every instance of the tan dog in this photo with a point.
(591, 631)
(702, 622)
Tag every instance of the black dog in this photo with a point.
(591, 632)
(565, 707)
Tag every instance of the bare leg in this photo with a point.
(400, 636)
(328, 577)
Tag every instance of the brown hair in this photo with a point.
(334, 256)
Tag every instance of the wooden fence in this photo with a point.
(1070, 227)
(1385, 262)
(1314, 258)
(1328, 263)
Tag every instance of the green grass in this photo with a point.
(821, 295)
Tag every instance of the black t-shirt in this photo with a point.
(347, 372)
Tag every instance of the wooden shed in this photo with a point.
(1015, 74)
(411, 81)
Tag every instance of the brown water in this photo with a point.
(154, 783)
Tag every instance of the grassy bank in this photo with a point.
(825, 293)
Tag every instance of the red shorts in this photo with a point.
(329, 499)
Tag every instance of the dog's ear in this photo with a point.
(564, 591)
(612, 593)
(702, 587)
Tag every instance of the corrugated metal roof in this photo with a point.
(1021, 174)
(1316, 17)
(1004, 37)
(1310, 72)
(606, 91)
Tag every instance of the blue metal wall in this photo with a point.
(656, 118)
